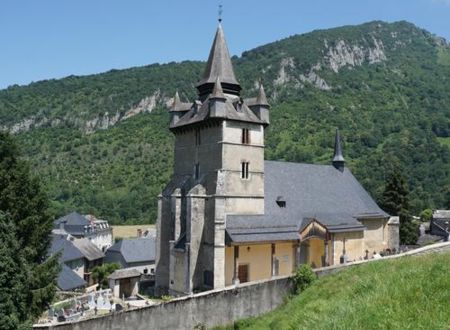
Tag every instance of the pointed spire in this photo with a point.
(217, 92)
(261, 99)
(219, 65)
(338, 158)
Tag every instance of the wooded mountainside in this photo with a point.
(101, 142)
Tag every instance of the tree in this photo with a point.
(12, 277)
(100, 273)
(25, 229)
(395, 202)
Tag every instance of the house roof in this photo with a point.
(89, 250)
(74, 223)
(68, 280)
(73, 219)
(68, 251)
(74, 249)
(441, 214)
(136, 249)
(333, 197)
(124, 273)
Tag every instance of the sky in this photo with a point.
(45, 39)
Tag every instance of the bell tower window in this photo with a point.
(244, 170)
(245, 136)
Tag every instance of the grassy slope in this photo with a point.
(406, 293)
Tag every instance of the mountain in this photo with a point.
(102, 145)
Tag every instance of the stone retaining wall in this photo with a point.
(217, 307)
(211, 308)
(433, 248)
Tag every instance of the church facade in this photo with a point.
(228, 216)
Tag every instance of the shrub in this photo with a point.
(304, 277)
(426, 215)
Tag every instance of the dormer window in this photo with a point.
(245, 136)
(281, 201)
(238, 105)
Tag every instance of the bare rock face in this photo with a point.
(27, 124)
(314, 79)
(101, 122)
(283, 76)
(343, 54)
(147, 104)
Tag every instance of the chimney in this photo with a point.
(62, 224)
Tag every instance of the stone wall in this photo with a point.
(212, 308)
(434, 248)
(217, 307)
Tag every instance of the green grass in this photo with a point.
(406, 293)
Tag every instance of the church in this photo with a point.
(228, 216)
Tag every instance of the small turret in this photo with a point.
(178, 108)
(217, 100)
(261, 107)
(338, 158)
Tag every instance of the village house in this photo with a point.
(124, 283)
(136, 253)
(68, 280)
(228, 216)
(97, 231)
(77, 257)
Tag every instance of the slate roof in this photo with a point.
(89, 250)
(68, 250)
(73, 250)
(124, 273)
(136, 249)
(338, 157)
(177, 105)
(69, 280)
(194, 115)
(74, 223)
(333, 197)
(219, 62)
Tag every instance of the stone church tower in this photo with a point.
(218, 170)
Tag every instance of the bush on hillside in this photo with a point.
(304, 277)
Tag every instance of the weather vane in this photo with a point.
(220, 12)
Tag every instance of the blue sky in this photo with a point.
(54, 38)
